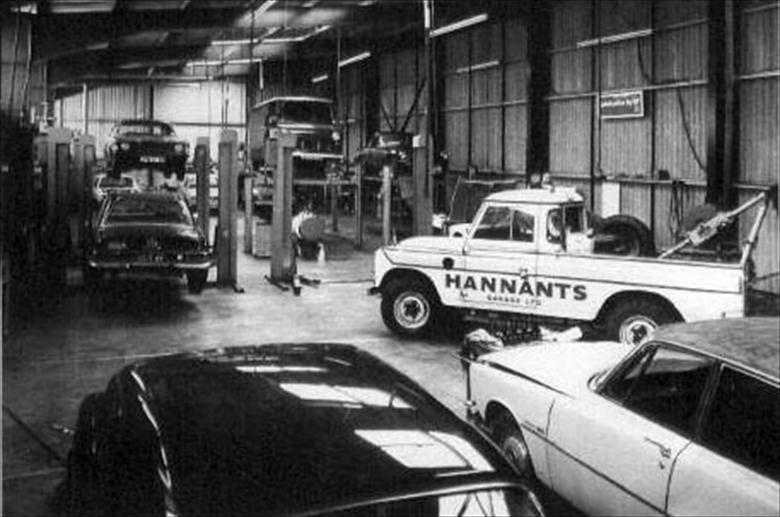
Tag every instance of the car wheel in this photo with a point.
(81, 493)
(409, 307)
(196, 281)
(633, 320)
(510, 440)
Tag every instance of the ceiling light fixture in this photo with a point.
(319, 78)
(263, 8)
(216, 62)
(354, 59)
(460, 24)
(226, 42)
(296, 39)
(310, 3)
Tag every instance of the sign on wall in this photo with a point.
(622, 105)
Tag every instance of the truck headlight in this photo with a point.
(125, 146)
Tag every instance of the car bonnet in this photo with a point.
(563, 367)
(289, 428)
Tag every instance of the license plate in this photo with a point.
(152, 159)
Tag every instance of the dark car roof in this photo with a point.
(147, 121)
(750, 342)
(290, 428)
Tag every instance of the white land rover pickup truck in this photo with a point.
(528, 257)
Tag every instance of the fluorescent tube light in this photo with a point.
(643, 33)
(319, 78)
(296, 39)
(461, 24)
(354, 59)
(224, 42)
(217, 62)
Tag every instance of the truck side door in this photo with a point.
(501, 259)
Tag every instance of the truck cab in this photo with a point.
(548, 220)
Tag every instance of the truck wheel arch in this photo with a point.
(407, 275)
(635, 298)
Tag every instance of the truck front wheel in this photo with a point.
(632, 320)
(409, 307)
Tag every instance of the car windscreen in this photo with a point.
(307, 112)
(145, 128)
(486, 502)
(148, 210)
(123, 182)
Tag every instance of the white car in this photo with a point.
(686, 424)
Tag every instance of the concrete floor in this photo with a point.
(72, 349)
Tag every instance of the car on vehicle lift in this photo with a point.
(686, 424)
(309, 119)
(139, 146)
(285, 429)
(146, 233)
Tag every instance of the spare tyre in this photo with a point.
(624, 235)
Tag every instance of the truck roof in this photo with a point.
(545, 196)
(293, 98)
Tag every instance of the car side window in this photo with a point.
(522, 226)
(666, 385)
(495, 224)
(743, 422)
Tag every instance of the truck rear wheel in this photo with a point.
(632, 320)
(409, 307)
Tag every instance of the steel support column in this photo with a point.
(202, 186)
(227, 266)
(281, 224)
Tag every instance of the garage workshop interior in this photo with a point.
(390, 257)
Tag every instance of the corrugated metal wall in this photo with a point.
(21, 80)
(485, 73)
(202, 109)
(759, 121)
(401, 76)
(106, 106)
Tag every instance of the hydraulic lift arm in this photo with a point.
(708, 229)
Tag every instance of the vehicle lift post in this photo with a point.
(422, 165)
(83, 175)
(227, 257)
(249, 182)
(282, 258)
(202, 166)
(359, 206)
(57, 178)
(387, 198)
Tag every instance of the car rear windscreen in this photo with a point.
(122, 182)
(148, 210)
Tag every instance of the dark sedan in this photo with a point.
(146, 145)
(310, 429)
(147, 233)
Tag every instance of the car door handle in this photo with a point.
(665, 451)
